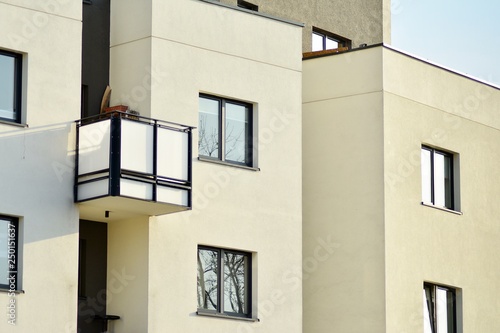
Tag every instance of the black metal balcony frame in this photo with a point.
(114, 173)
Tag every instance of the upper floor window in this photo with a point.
(224, 282)
(324, 40)
(10, 86)
(438, 188)
(9, 231)
(225, 130)
(440, 309)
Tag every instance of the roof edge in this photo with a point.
(252, 12)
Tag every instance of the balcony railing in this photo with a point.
(132, 164)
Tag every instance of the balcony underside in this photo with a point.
(120, 208)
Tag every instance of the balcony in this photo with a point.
(130, 165)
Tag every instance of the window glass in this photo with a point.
(331, 43)
(208, 139)
(428, 314)
(7, 87)
(4, 266)
(426, 176)
(317, 42)
(235, 283)
(208, 262)
(236, 132)
(439, 183)
(8, 252)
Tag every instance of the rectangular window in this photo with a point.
(324, 40)
(224, 282)
(437, 178)
(440, 309)
(10, 86)
(225, 130)
(9, 230)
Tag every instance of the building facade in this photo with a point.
(240, 166)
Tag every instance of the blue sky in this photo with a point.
(463, 35)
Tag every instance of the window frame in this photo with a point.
(219, 311)
(17, 85)
(14, 269)
(249, 137)
(247, 5)
(325, 35)
(433, 306)
(433, 151)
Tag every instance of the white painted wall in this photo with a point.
(37, 161)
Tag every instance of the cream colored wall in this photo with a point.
(127, 278)
(411, 243)
(37, 161)
(130, 55)
(343, 201)
(130, 20)
(237, 55)
(427, 105)
(130, 75)
(360, 21)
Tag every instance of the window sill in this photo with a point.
(225, 316)
(203, 159)
(4, 290)
(442, 208)
(6, 122)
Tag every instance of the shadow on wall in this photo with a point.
(37, 176)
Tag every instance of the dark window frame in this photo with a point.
(18, 85)
(342, 41)
(220, 285)
(451, 156)
(248, 5)
(13, 264)
(249, 154)
(432, 305)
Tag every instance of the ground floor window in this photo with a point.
(224, 281)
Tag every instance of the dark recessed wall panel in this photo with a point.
(95, 55)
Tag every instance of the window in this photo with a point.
(437, 178)
(323, 40)
(224, 282)
(8, 252)
(440, 313)
(225, 130)
(247, 5)
(10, 86)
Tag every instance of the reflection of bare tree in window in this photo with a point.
(233, 285)
(234, 282)
(207, 279)
(234, 143)
(208, 138)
